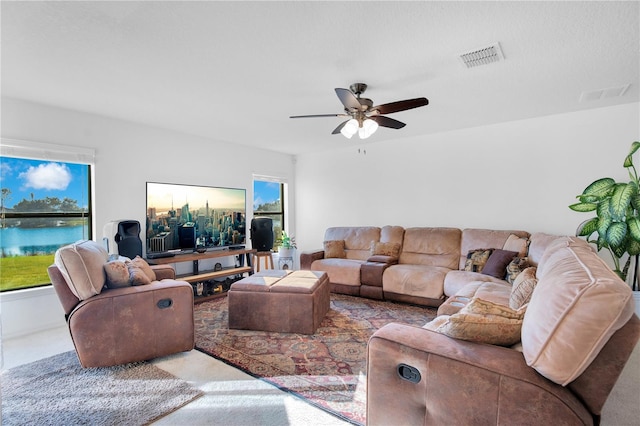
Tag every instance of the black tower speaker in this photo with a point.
(262, 233)
(187, 237)
(128, 239)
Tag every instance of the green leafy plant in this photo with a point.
(287, 241)
(617, 221)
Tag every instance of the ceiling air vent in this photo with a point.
(482, 56)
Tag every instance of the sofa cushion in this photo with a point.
(456, 280)
(117, 274)
(523, 288)
(334, 249)
(538, 245)
(496, 265)
(578, 303)
(82, 266)
(385, 249)
(357, 239)
(431, 247)
(340, 271)
(517, 265)
(496, 291)
(415, 280)
(476, 259)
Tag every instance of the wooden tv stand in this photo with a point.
(198, 276)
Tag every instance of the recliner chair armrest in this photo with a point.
(417, 376)
(308, 257)
(164, 272)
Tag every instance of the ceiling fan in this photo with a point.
(364, 118)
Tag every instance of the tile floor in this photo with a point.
(235, 398)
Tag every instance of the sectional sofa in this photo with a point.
(537, 335)
(421, 265)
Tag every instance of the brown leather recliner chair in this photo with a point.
(121, 325)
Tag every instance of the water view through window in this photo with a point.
(44, 205)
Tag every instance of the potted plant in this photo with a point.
(617, 220)
(287, 245)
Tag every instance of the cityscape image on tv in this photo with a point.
(185, 217)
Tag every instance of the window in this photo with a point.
(45, 204)
(268, 196)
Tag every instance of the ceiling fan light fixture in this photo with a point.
(350, 129)
(368, 128)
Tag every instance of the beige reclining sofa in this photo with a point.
(538, 336)
(412, 265)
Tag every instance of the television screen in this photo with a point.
(186, 217)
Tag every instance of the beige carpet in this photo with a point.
(58, 391)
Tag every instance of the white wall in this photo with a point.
(516, 175)
(127, 156)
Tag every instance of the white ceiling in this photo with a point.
(235, 71)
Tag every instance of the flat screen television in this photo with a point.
(185, 217)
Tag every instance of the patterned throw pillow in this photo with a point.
(486, 307)
(516, 266)
(334, 249)
(490, 329)
(385, 249)
(476, 259)
(117, 274)
(523, 287)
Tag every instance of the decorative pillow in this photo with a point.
(142, 264)
(523, 287)
(491, 329)
(486, 307)
(496, 265)
(334, 248)
(385, 249)
(82, 266)
(137, 275)
(117, 274)
(517, 265)
(517, 244)
(476, 259)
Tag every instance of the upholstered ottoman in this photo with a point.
(280, 301)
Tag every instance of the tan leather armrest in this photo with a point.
(164, 272)
(459, 382)
(308, 257)
(379, 258)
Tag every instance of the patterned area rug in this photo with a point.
(328, 368)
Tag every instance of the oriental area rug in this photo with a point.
(58, 391)
(327, 369)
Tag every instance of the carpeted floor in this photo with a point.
(58, 391)
(327, 368)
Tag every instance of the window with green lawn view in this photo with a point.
(268, 202)
(45, 205)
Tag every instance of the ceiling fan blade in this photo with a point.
(388, 122)
(337, 129)
(318, 115)
(400, 105)
(348, 99)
